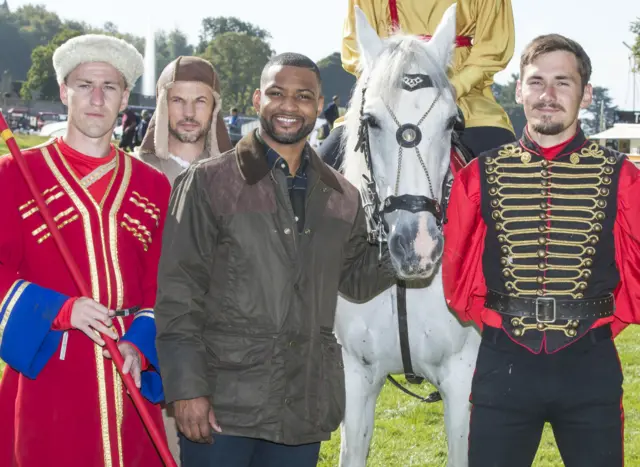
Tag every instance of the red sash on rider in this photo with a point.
(457, 161)
(461, 41)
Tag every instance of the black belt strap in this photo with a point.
(403, 328)
(550, 309)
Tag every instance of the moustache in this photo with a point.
(189, 121)
(548, 106)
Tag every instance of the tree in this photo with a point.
(635, 29)
(41, 76)
(178, 44)
(15, 59)
(213, 27)
(36, 24)
(505, 94)
(239, 59)
(335, 80)
(601, 103)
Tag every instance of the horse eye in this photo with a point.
(370, 120)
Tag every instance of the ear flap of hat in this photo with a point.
(161, 131)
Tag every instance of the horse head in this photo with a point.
(398, 140)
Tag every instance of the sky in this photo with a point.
(306, 27)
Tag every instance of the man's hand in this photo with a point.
(132, 361)
(89, 316)
(195, 419)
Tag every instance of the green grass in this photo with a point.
(411, 433)
(24, 141)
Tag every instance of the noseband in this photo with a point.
(408, 136)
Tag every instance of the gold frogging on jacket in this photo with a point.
(548, 221)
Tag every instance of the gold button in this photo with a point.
(606, 179)
(582, 286)
(509, 287)
(545, 183)
(544, 192)
(539, 293)
(574, 324)
(541, 327)
(579, 295)
(542, 265)
(498, 226)
(287, 231)
(542, 253)
(542, 228)
(543, 215)
(591, 251)
(593, 240)
(493, 190)
(517, 332)
(504, 261)
(602, 203)
(491, 178)
(514, 322)
(489, 160)
(600, 216)
(542, 241)
(608, 170)
(597, 227)
(502, 239)
(604, 191)
(495, 203)
(611, 160)
(544, 173)
(544, 205)
(307, 231)
(505, 250)
(588, 263)
(586, 274)
(540, 280)
(572, 332)
(495, 214)
(506, 273)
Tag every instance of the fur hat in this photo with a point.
(156, 140)
(98, 48)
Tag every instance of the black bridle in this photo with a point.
(408, 136)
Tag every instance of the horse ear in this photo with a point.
(369, 42)
(443, 40)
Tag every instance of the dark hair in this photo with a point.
(293, 59)
(554, 42)
(234, 109)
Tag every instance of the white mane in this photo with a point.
(400, 54)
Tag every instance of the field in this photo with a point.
(411, 433)
(24, 141)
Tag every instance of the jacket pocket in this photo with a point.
(240, 373)
(331, 397)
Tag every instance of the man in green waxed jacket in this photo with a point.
(258, 243)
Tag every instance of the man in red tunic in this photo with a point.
(541, 252)
(62, 402)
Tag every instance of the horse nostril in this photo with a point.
(401, 245)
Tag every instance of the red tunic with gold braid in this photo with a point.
(61, 401)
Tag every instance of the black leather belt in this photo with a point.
(550, 309)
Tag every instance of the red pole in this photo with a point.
(138, 400)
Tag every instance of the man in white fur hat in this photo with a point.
(187, 124)
(61, 399)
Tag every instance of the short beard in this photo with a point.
(304, 131)
(190, 138)
(548, 128)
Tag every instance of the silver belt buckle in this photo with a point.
(545, 299)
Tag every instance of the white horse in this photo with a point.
(407, 102)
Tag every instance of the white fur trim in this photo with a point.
(98, 48)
